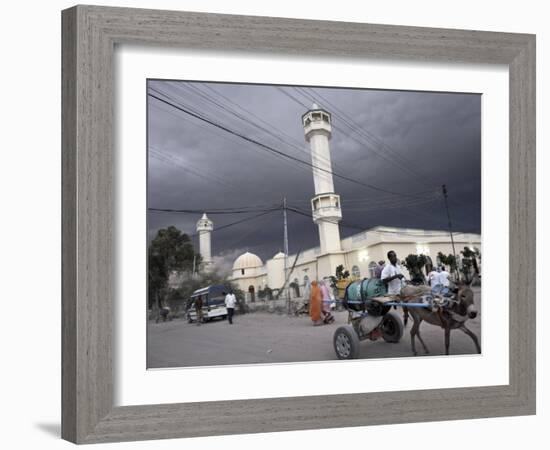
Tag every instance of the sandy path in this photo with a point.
(268, 338)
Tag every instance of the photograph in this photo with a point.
(294, 224)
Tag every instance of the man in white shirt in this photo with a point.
(230, 301)
(392, 275)
(433, 278)
(444, 277)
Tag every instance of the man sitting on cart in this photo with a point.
(392, 275)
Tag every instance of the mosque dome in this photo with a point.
(279, 255)
(247, 261)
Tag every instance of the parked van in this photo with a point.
(213, 303)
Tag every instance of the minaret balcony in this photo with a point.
(326, 207)
(205, 227)
(317, 120)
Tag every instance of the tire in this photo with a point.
(346, 342)
(392, 328)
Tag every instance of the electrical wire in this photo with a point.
(271, 149)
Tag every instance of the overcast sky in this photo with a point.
(402, 142)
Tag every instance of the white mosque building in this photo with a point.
(358, 253)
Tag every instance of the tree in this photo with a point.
(471, 255)
(466, 269)
(170, 251)
(449, 260)
(267, 293)
(415, 264)
(341, 273)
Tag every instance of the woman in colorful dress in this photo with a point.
(315, 304)
(327, 300)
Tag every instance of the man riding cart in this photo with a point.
(369, 303)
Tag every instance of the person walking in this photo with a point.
(378, 269)
(327, 300)
(315, 304)
(198, 309)
(230, 301)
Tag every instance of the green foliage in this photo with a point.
(466, 269)
(267, 293)
(170, 251)
(341, 273)
(448, 260)
(469, 262)
(477, 253)
(415, 264)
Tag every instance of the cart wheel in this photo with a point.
(392, 328)
(346, 342)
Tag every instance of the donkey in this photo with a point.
(461, 309)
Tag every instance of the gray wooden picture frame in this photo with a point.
(89, 37)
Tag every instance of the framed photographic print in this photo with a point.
(308, 209)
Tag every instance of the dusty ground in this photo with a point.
(264, 338)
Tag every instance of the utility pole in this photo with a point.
(286, 251)
(444, 188)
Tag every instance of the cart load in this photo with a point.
(359, 295)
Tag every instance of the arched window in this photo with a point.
(355, 272)
(372, 269)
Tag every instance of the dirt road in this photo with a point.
(267, 338)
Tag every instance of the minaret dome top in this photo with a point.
(205, 224)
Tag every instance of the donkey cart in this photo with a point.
(369, 318)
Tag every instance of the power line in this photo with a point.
(178, 162)
(335, 112)
(223, 227)
(282, 159)
(279, 134)
(371, 139)
(212, 211)
(346, 224)
(271, 149)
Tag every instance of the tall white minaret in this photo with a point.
(204, 228)
(326, 204)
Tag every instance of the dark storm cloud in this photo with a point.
(408, 142)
